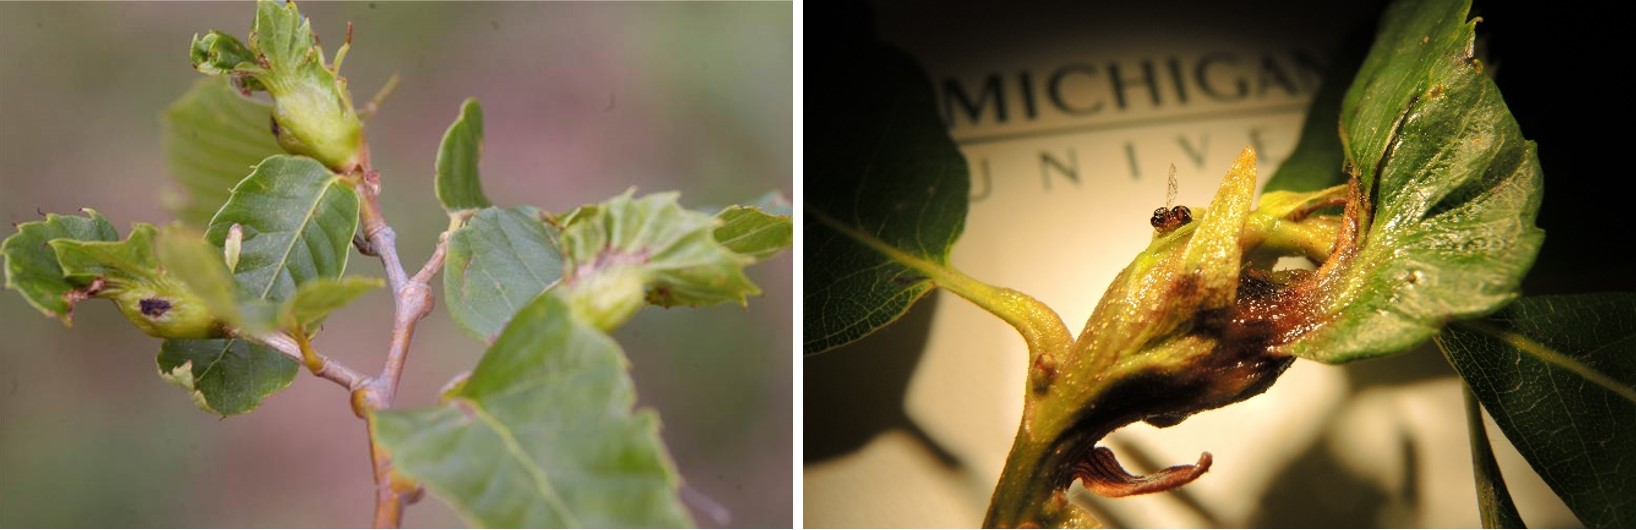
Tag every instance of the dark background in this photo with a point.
(1555, 67)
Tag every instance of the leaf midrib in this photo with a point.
(312, 213)
(1551, 357)
(515, 449)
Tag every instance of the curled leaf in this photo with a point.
(31, 265)
(129, 273)
(1102, 474)
(458, 186)
(758, 231)
(312, 109)
(629, 249)
(1442, 222)
(218, 53)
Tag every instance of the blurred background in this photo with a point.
(1069, 114)
(582, 102)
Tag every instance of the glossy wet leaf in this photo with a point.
(458, 185)
(497, 262)
(1454, 187)
(754, 231)
(225, 376)
(885, 174)
(31, 264)
(297, 219)
(1558, 375)
(541, 435)
(213, 137)
(630, 248)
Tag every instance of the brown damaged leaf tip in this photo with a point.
(1102, 475)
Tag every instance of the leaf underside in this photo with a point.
(458, 185)
(316, 299)
(212, 137)
(754, 231)
(1558, 375)
(226, 376)
(889, 172)
(497, 262)
(541, 435)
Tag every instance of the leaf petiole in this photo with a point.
(1040, 326)
(1493, 499)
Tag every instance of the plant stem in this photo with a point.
(388, 501)
(1040, 327)
(412, 300)
(1494, 504)
(331, 369)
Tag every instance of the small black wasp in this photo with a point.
(1167, 217)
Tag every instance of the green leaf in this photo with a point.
(1558, 374)
(31, 265)
(458, 185)
(891, 178)
(212, 137)
(219, 53)
(1317, 160)
(200, 268)
(225, 376)
(312, 111)
(318, 298)
(541, 434)
(129, 273)
(116, 261)
(1453, 186)
(298, 220)
(626, 247)
(281, 35)
(754, 231)
(497, 262)
(1493, 499)
(773, 203)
